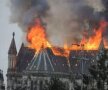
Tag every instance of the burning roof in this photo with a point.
(37, 39)
(46, 61)
(65, 22)
(62, 26)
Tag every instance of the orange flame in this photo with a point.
(37, 36)
(93, 42)
(37, 39)
(60, 51)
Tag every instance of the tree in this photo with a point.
(55, 84)
(98, 74)
(85, 83)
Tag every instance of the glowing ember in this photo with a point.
(60, 51)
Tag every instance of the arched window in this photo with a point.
(35, 85)
(41, 85)
(67, 85)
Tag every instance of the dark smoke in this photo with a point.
(24, 11)
(105, 14)
(105, 3)
(65, 19)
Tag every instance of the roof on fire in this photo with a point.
(45, 60)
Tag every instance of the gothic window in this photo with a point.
(46, 81)
(34, 85)
(25, 82)
(41, 85)
(67, 85)
(31, 85)
(35, 82)
(106, 63)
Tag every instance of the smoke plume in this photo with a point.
(105, 13)
(65, 19)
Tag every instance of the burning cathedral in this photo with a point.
(38, 60)
(35, 64)
(30, 70)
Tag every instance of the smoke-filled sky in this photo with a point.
(64, 19)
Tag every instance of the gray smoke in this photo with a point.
(65, 19)
(24, 11)
(105, 13)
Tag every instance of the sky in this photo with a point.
(6, 30)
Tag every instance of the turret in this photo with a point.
(12, 52)
(100, 49)
(101, 46)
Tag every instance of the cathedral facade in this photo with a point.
(30, 71)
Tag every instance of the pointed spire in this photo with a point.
(101, 46)
(22, 45)
(13, 34)
(21, 48)
(12, 48)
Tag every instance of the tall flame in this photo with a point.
(93, 42)
(37, 39)
(37, 36)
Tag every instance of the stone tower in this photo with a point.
(12, 54)
(101, 45)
